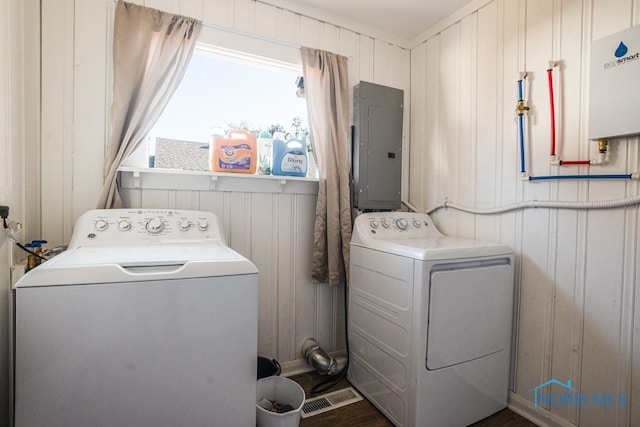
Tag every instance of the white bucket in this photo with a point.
(281, 390)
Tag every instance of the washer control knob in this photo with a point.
(402, 224)
(374, 223)
(416, 223)
(155, 226)
(203, 225)
(184, 225)
(124, 225)
(101, 225)
(385, 223)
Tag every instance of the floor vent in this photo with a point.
(330, 401)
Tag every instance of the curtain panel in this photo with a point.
(326, 85)
(151, 52)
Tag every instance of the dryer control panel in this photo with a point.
(138, 226)
(393, 226)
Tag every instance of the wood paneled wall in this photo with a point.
(14, 36)
(577, 271)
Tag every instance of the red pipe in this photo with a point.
(553, 125)
(575, 162)
(553, 112)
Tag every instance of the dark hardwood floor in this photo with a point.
(364, 413)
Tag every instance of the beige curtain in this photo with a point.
(151, 51)
(326, 86)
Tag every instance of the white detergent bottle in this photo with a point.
(265, 153)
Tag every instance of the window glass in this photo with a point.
(226, 90)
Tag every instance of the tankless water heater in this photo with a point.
(614, 87)
(377, 146)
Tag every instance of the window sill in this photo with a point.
(174, 179)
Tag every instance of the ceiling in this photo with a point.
(403, 20)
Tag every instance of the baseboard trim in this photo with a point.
(295, 367)
(538, 416)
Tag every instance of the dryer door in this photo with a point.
(470, 313)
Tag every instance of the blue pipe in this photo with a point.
(520, 97)
(605, 176)
(521, 129)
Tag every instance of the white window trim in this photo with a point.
(173, 179)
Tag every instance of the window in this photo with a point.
(226, 89)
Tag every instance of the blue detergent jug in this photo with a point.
(289, 158)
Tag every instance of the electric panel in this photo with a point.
(614, 88)
(377, 146)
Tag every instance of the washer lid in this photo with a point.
(116, 264)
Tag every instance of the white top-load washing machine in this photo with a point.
(148, 319)
(430, 321)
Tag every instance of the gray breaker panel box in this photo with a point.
(377, 146)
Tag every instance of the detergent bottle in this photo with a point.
(290, 158)
(278, 146)
(265, 153)
(235, 153)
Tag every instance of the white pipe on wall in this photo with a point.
(603, 204)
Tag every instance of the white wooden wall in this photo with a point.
(577, 271)
(5, 179)
(13, 105)
(273, 230)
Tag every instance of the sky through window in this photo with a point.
(216, 92)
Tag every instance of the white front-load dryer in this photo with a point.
(149, 319)
(429, 321)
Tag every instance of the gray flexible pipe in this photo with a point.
(318, 358)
